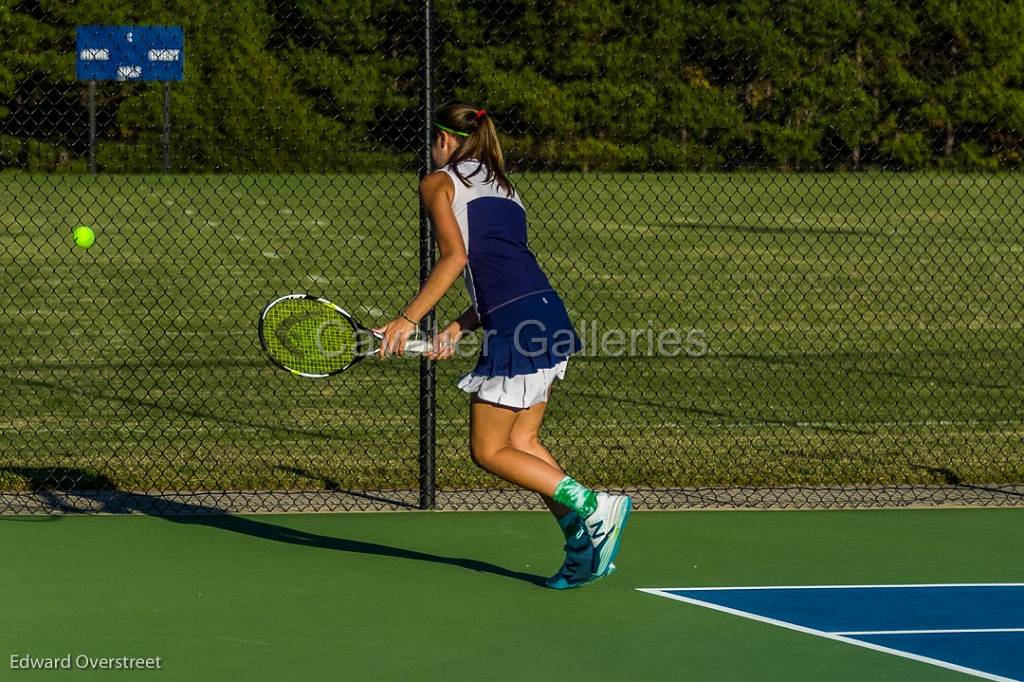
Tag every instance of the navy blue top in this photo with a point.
(502, 269)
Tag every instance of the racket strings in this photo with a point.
(310, 337)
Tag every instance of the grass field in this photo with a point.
(861, 328)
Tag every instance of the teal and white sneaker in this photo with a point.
(605, 526)
(578, 567)
(576, 571)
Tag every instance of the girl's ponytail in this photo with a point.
(479, 141)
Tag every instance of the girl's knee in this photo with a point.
(481, 455)
(528, 442)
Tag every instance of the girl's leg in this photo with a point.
(525, 436)
(511, 449)
(492, 447)
(490, 431)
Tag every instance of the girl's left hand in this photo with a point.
(396, 333)
(443, 346)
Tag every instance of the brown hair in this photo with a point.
(479, 140)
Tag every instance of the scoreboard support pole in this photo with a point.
(92, 127)
(166, 137)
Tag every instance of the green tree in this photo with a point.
(881, 39)
(575, 84)
(357, 62)
(965, 85)
(32, 109)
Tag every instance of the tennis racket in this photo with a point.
(312, 337)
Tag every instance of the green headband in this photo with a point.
(449, 130)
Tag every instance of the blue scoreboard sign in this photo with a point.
(127, 53)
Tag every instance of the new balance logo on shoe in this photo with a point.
(595, 530)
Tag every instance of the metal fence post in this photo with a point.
(427, 377)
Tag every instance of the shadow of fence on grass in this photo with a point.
(950, 477)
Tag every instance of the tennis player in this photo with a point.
(480, 229)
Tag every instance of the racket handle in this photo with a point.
(412, 346)
(417, 346)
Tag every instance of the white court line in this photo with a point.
(827, 635)
(824, 587)
(927, 632)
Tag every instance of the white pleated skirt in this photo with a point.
(520, 392)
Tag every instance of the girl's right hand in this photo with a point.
(443, 346)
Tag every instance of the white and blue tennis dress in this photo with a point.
(527, 334)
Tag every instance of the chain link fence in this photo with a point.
(788, 234)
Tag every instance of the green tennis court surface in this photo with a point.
(454, 596)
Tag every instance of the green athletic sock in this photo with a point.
(579, 498)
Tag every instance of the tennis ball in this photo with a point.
(84, 236)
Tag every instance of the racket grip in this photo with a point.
(412, 346)
(417, 346)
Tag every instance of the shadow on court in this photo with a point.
(55, 486)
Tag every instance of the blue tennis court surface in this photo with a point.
(976, 629)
